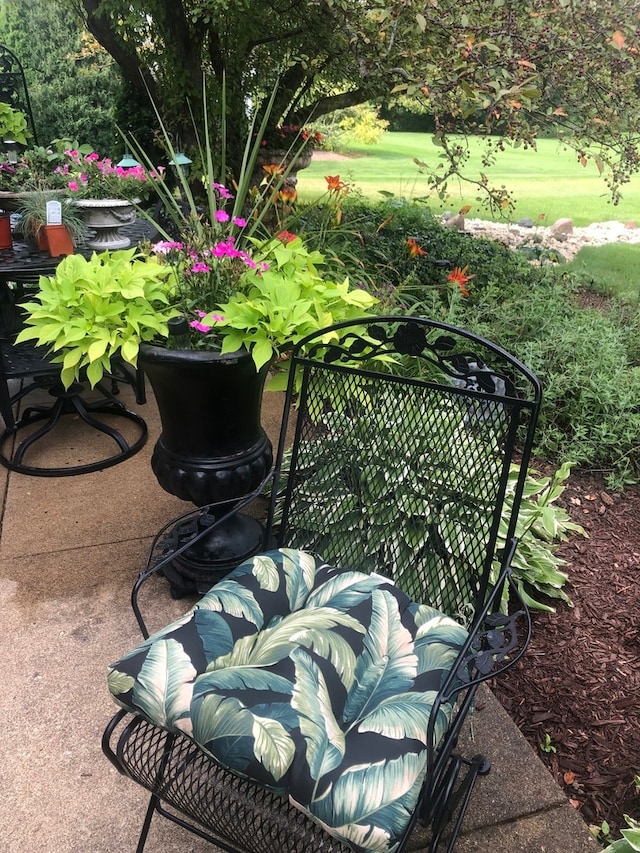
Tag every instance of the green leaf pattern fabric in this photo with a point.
(315, 682)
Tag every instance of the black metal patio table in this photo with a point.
(20, 271)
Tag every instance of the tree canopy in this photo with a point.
(512, 67)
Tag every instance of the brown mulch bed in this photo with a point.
(579, 681)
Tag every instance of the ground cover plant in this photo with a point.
(532, 177)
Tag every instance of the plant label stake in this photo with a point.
(54, 213)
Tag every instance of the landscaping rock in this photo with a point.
(568, 246)
(456, 222)
(562, 226)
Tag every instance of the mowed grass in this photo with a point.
(614, 268)
(548, 182)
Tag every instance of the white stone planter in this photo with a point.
(106, 216)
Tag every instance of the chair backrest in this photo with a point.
(409, 437)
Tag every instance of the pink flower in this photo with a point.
(199, 327)
(200, 267)
(164, 246)
(239, 221)
(222, 216)
(74, 186)
(222, 191)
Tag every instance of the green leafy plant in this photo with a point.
(546, 744)
(92, 310)
(333, 479)
(541, 526)
(284, 299)
(13, 124)
(630, 841)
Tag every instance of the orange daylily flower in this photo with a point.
(334, 184)
(414, 247)
(273, 170)
(460, 277)
(288, 194)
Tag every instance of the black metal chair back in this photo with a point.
(405, 434)
(13, 87)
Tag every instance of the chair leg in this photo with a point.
(146, 826)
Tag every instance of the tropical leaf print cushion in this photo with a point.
(315, 682)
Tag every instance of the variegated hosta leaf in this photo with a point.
(119, 682)
(404, 716)
(274, 643)
(234, 599)
(310, 698)
(381, 795)
(164, 685)
(387, 665)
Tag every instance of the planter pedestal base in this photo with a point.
(196, 570)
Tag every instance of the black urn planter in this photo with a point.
(212, 448)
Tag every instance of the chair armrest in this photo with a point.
(155, 565)
(496, 641)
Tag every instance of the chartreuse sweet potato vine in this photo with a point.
(92, 310)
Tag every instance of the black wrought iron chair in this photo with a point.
(313, 698)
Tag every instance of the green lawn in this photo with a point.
(614, 268)
(548, 181)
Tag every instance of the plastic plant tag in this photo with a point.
(54, 213)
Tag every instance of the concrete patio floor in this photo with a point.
(70, 549)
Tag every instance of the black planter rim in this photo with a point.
(159, 353)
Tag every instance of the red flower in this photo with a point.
(415, 249)
(286, 236)
(460, 277)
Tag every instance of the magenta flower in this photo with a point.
(222, 191)
(200, 267)
(222, 216)
(239, 221)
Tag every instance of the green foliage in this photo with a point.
(587, 360)
(630, 841)
(280, 305)
(488, 67)
(546, 744)
(401, 522)
(33, 212)
(13, 124)
(541, 527)
(72, 81)
(92, 310)
(361, 123)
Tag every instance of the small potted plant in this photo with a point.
(57, 239)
